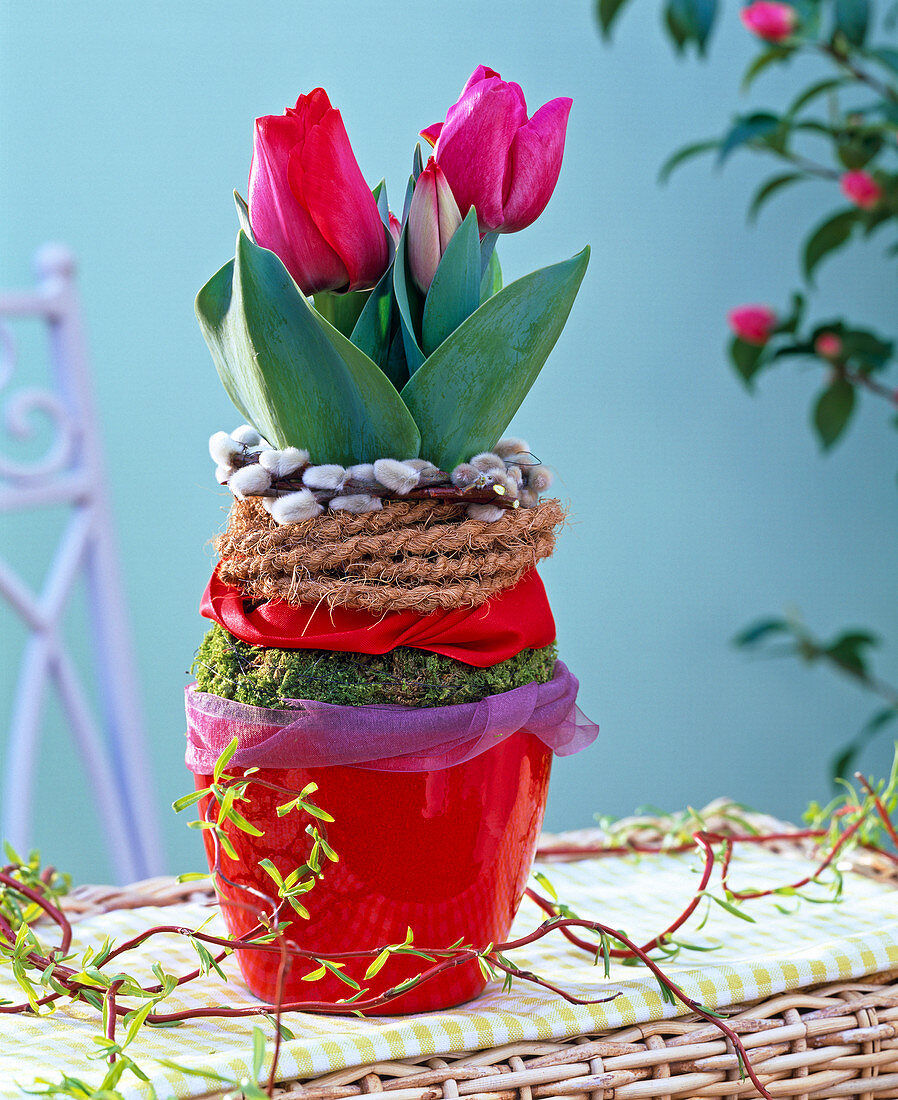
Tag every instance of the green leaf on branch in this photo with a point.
(465, 394)
(684, 154)
(832, 412)
(848, 651)
(773, 56)
(759, 124)
(690, 21)
(831, 84)
(852, 19)
(761, 631)
(830, 235)
(607, 12)
(454, 293)
(886, 55)
(844, 763)
(747, 358)
(769, 189)
(296, 378)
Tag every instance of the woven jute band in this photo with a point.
(420, 555)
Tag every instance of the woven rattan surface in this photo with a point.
(418, 554)
(831, 1040)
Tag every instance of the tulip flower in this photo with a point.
(753, 324)
(861, 188)
(770, 20)
(309, 203)
(828, 345)
(494, 157)
(395, 228)
(433, 218)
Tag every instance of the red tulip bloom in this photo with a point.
(309, 203)
(753, 324)
(770, 20)
(495, 157)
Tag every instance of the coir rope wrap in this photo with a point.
(419, 555)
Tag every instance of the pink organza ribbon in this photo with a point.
(384, 738)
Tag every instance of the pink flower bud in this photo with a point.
(433, 218)
(753, 324)
(770, 20)
(395, 228)
(828, 345)
(861, 188)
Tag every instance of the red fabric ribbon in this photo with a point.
(514, 619)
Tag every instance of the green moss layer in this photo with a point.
(265, 677)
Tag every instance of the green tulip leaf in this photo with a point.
(465, 394)
(408, 302)
(243, 216)
(372, 330)
(293, 375)
(491, 283)
(455, 291)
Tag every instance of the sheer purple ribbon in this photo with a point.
(310, 734)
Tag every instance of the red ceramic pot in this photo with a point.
(446, 853)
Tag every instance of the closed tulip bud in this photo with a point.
(769, 20)
(395, 228)
(861, 188)
(495, 157)
(753, 324)
(433, 218)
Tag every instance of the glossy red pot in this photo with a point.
(446, 853)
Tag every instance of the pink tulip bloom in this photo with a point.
(495, 157)
(753, 324)
(433, 218)
(861, 188)
(309, 203)
(828, 345)
(770, 20)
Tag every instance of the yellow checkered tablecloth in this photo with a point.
(803, 945)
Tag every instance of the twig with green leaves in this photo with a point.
(54, 975)
(842, 128)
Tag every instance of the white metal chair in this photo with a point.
(70, 473)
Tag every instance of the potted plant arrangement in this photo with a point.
(379, 630)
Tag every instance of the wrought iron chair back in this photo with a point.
(110, 738)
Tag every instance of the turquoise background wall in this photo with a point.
(695, 508)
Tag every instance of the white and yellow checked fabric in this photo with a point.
(807, 944)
